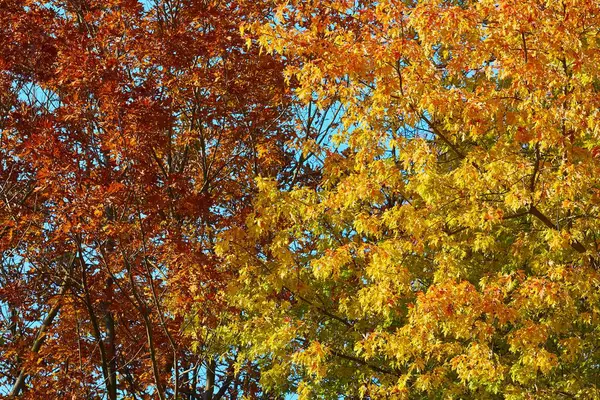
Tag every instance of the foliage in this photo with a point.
(131, 133)
(343, 199)
(450, 249)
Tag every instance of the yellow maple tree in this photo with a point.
(450, 249)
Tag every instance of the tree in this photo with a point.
(131, 133)
(450, 249)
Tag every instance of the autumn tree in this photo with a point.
(450, 249)
(130, 136)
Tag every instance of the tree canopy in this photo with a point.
(451, 248)
(340, 199)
